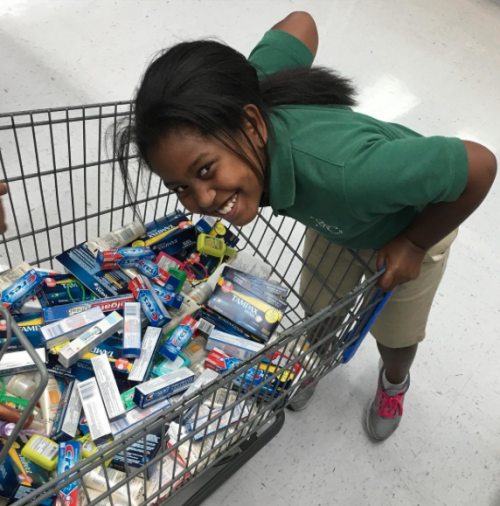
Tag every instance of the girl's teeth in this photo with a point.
(227, 208)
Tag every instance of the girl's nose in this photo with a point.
(205, 197)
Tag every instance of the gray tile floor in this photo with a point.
(434, 66)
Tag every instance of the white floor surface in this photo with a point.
(432, 65)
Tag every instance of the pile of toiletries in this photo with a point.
(133, 322)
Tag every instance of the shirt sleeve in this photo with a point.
(279, 50)
(384, 176)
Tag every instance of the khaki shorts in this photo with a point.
(403, 320)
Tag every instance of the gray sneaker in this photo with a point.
(386, 410)
(304, 395)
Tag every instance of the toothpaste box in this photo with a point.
(83, 265)
(68, 414)
(157, 274)
(28, 285)
(76, 349)
(220, 361)
(107, 305)
(124, 257)
(163, 387)
(11, 274)
(259, 374)
(69, 456)
(136, 416)
(151, 304)
(132, 330)
(16, 362)
(108, 388)
(250, 301)
(71, 327)
(141, 370)
(95, 419)
(233, 345)
(30, 325)
(169, 297)
(62, 289)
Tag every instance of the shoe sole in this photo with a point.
(367, 425)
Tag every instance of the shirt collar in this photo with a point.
(282, 174)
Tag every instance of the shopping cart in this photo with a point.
(65, 187)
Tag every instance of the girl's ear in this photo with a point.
(255, 126)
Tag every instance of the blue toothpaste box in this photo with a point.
(169, 297)
(22, 290)
(251, 302)
(62, 289)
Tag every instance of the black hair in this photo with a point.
(204, 86)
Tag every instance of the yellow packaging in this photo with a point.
(42, 451)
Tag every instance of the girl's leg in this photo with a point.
(398, 330)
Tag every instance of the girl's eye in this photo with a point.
(180, 189)
(204, 170)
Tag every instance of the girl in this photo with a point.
(229, 135)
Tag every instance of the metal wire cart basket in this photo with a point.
(64, 188)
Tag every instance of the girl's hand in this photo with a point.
(3, 191)
(403, 260)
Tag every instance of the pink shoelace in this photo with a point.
(390, 405)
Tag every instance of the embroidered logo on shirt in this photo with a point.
(329, 228)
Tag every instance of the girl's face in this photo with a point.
(208, 177)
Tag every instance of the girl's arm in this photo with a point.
(302, 26)
(404, 254)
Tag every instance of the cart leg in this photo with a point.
(249, 449)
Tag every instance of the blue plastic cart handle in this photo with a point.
(349, 352)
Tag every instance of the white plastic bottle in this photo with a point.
(49, 402)
(22, 385)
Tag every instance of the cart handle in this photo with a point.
(42, 369)
(365, 324)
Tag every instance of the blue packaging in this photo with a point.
(29, 324)
(205, 225)
(163, 224)
(179, 338)
(163, 387)
(151, 304)
(69, 456)
(22, 290)
(157, 274)
(169, 297)
(83, 265)
(137, 455)
(225, 325)
(68, 414)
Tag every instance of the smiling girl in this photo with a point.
(229, 135)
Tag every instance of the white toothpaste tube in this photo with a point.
(132, 330)
(96, 480)
(163, 387)
(117, 238)
(94, 410)
(75, 350)
(16, 362)
(232, 345)
(137, 415)
(141, 369)
(68, 414)
(71, 327)
(108, 388)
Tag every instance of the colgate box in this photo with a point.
(107, 305)
(22, 290)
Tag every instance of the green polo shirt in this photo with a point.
(358, 181)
